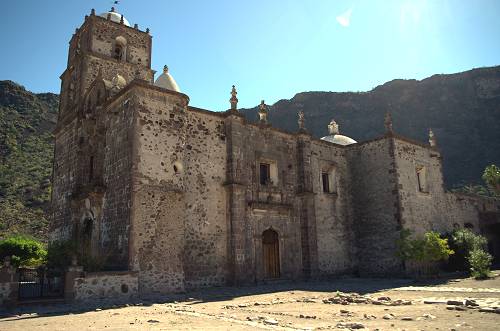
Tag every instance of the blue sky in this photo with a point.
(269, 49)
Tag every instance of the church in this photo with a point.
(185, 197)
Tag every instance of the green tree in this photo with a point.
(23, 251)
(491, 176)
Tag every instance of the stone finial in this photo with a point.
(388, 122)
(234, 99)
(333, 128)
(121, 19)
(112, 9)
(86, 17)
(432, 138)
(92, 12)
(147, 30)
(165, 69)
(301, 121)
(136, 26)
(263, 112)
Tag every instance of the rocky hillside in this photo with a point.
(26, 124)
(463, 110)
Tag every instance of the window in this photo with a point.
(326, 182)
(421, 179)
(120, 48)
(328, 179)
(265, 174)
(118, 54)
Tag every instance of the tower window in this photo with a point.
(421, 179)
(118, 54)
(325, 179)
(265, 173)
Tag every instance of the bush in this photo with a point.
(464, 241)
(431, 248)
(23, 251)
(480, 263)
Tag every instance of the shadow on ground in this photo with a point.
(215, 294)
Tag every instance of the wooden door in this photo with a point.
(271, 254)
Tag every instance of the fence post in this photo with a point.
(73, 272)
(9, 284)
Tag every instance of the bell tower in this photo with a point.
(105, 55)
(104, 45)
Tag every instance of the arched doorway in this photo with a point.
(271, 254)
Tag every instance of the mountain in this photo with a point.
(26, 147)
(462, 109)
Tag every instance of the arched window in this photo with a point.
(120, 49)
(118, 52)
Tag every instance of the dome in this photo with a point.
(115, 17)
(339, 139)
(335, 137)
(166, 81)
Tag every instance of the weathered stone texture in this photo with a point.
(376, 206)
(334, 219)
(182, 154)
(420, 211)
(106, 285)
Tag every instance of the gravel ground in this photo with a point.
(342, 304)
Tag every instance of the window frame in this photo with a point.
(325, 182)
(265, 177)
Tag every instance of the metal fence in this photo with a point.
(40, 283)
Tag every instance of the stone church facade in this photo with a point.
(187, 197)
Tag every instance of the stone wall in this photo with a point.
(64, 181)
(106, 285)
(334, 220)
(425, 210)
(376, 205)
(103, 38)
(9, 285)
(255, 207)
(434, 209)
(179, 223)
(5, 292)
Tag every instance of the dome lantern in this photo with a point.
(166, 81)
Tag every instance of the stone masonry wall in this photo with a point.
(64, 181)
(434, 209)
(179, 222)
(205, 228)
(272, 206)
(420, 211)
(104, 33)
(114, 225)
(335, 233)
(376, 206)
(106, 285)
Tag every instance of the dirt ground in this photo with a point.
(350, 303)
